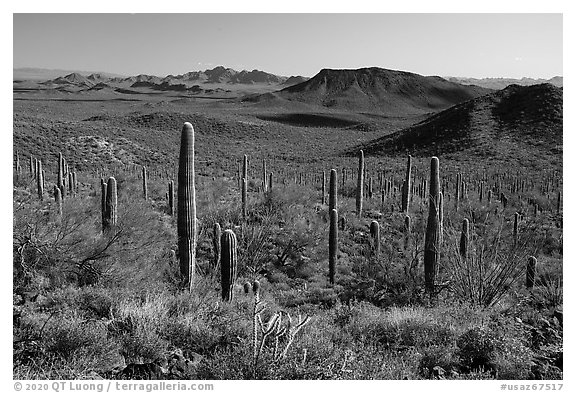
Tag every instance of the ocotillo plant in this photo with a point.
(111, 212)
(171, 197)
(464, 238)
(58, 199)
(407, 186)
(244, 198)
(375, 238)
(333, 197)
(40, 181)
(332, 245)
(228, 262)
(216, 244)
(144, 183)
(360, 184)
(187, 206)
(531, 272)
(432, 239)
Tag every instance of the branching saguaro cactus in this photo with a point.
(375, 238)
(332, 245)
(360, 184)
(144, 183)
(531, 272)
(228, 262)
(111, 206)
(40, 181)
(432, 239)
(216, 243)
(187, 206)
(406, 189)
(464, 238)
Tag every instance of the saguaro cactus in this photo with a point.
(103, 189)
(187, 206)
(60, 180)
(40, 180)
(360, 184)
(171, 197)
(111, 213)
(58, 199)
(333, 197)
(228, 262)
(375, 237)
(323, 187)
(264, 176)
(432, 239)
(464, 238)
(407, 228)
(407, 186)
(216, 235)
(245, 168)
(531, 272)
(144, 183)
(244, 198)
(332, 245)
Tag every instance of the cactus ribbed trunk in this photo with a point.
(406, 190)
(531, 272)
(111, 206)
(144, 183)
(333, 197)
(171, 197)
(187, 206)
(407, 228)
(332, 245)
(228, 262)
(216, 245)
(323, 187)
(40, 181)
(245, 168)
(58, 199)
(375, 236)
(464, 238)
(360, 184)
(60, 180)
(244, 198)
(432, 240)
(103, 188)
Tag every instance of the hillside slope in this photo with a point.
(517, 122)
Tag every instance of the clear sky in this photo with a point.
(472, 45)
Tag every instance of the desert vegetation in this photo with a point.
(181, 240)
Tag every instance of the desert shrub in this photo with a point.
(477, 348)
(438, 356)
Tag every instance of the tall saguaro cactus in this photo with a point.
(432, 240)
(332, 245)
(333, 197)
(464, 238)
(58, 199)
(531, 272)
(264, 176)
(111, 205)
(103, 188)
(60, 180)
(40, 180)
(375, 236)
(360, 184)
(144, 183)
(244, 198)
(228, 262)
(323, 187)
(187, 206)
(406, 190)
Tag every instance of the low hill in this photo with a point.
(379, 90)
(501, 83)
(517, 122)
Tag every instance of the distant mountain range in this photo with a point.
(43, 74)
(377, 89)
(190, 81)
(501, 83)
